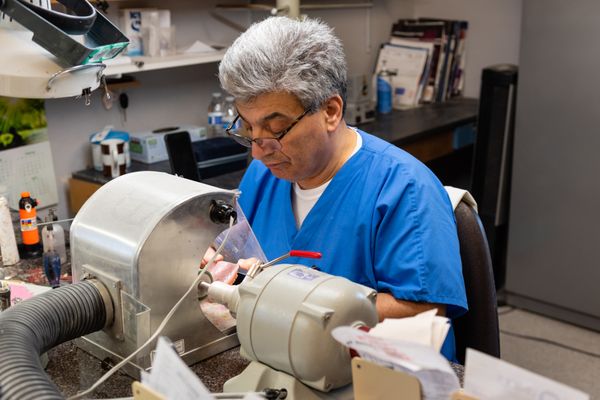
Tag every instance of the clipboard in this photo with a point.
(143, 392)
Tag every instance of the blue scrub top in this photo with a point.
(384, 221)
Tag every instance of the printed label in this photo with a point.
(136, 20)
(215, 119)
(28, 224)
(303, 274)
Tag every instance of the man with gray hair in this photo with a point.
(379, 216)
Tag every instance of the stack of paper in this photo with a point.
(438, 381)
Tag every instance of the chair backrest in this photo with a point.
(478, 328)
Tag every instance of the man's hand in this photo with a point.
(246, 263)
(210, 252)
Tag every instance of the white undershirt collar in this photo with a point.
(303, 200)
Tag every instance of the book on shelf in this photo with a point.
(458, 75)
(447, 37)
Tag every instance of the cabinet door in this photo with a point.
(79, 192)
(553, 262)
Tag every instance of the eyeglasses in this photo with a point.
(240, 134)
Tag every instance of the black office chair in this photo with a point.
(478, 328)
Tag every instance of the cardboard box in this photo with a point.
(131, 25)
(149, 147)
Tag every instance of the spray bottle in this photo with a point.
(29, 230)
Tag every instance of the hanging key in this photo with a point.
(124, 103)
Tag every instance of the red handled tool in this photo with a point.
(293, 253)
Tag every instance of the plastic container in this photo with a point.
(384, 92)
(54, 235)
(229, 113)
(215, 115)
(51, 258)
(108, 133)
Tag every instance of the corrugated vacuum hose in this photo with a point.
(34, 326)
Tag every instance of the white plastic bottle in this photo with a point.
(55, 234)
(229, 112)
(8, 243)
(215, 115)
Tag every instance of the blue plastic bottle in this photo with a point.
(384, 92)
(52, 268)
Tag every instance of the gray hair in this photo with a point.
(303, 58)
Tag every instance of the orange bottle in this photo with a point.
(29, 230)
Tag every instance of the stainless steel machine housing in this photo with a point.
(143, 235)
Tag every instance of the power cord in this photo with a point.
(552, 342)
(164, 322)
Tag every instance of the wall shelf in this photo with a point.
(143, 63)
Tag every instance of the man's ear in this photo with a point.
(333, 112)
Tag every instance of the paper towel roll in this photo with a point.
(8, 244)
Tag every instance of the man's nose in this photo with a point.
(260, 152)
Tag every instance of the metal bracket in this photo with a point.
(75, 69)
(113, 285)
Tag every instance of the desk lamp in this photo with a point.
(49, 54)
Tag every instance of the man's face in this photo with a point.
(303, 152)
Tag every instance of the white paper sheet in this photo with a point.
(172, 378)
(29, 168)
(490, 378)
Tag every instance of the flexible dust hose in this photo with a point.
(36, 325)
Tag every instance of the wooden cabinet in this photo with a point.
(79, 192)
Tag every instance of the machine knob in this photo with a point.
(220, 212)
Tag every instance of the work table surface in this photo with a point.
(73, 370)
